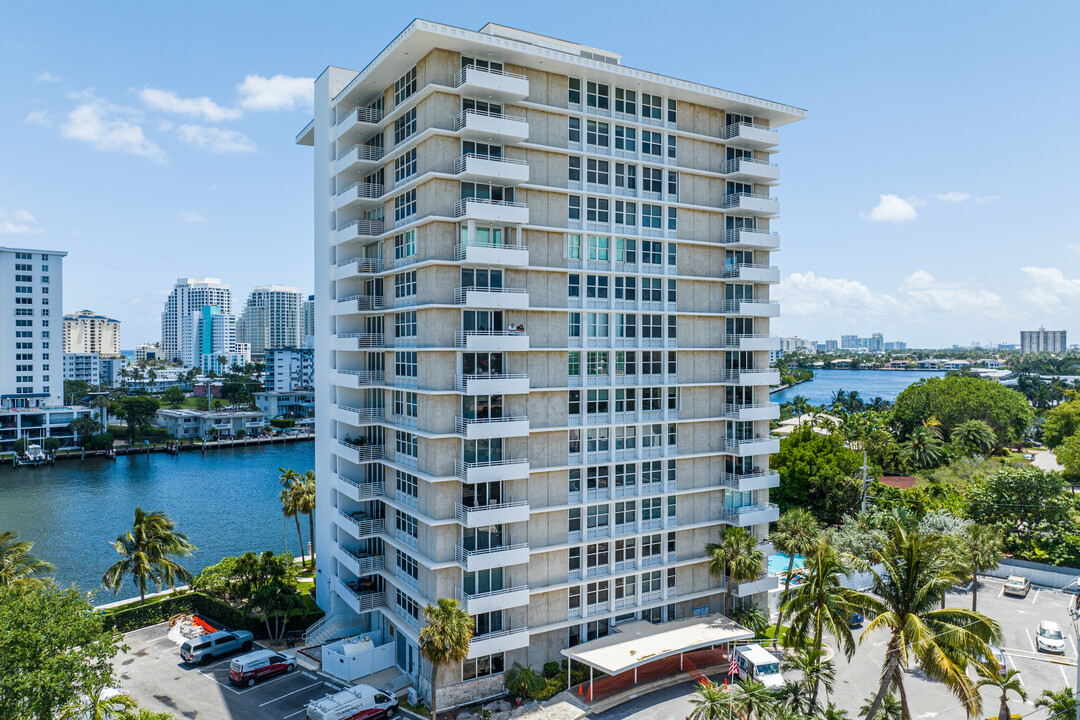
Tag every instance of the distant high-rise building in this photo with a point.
(877, 343)
(271, 319)
(849, 342)
(31, 364)
(307, 317)
(831, 346)
(289, 369)
(88, 332)
(189, 296)
(897, 345)
(1042, 340)
(208, 341)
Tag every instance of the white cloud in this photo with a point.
(808, 294)
(215, 140)
(961, 297)
(191, 217)
(40, 117)
(280, 92)
(47, 77)
(891, 208)
(1050, 289)
(110, 128)
(18, 222)
(958, 198)
(200, 107)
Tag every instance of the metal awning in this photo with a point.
(639, 642)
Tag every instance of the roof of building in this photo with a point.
(89, 315)
(902, 482)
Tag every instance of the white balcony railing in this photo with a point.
(363, 264)
(462, 555)
(364, 527)
(365, 452)
(365, 377)
(461, 381)
(461, 425)
(462, 468)
(363, 226)
(734, 129)
(361, 114)
(462, 206)
(461, 163)
(364, 339)
(461, 294)
(462, 512)
(462, 75)
(364, 302)
(364, 489)
(732, 271)
(461, 119)
(363, 152)
(735, 200)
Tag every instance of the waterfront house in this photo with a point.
(956, 364)
(841, 363)
(188, 424)
(930, 364)
(295, 404)
(36, 424)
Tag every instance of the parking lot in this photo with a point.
(151, 671)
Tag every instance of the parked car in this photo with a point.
(1017, 585)
(856, 620)
(205, 648)
(254, 666)
(998, 656)
(1049, 638)
(1029, 456)
(358, 701)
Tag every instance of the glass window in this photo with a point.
(405, 86)
(597, 133)
(574, 91)
(404, 126)
(573, 211)
(596, 95)
(625, 101)
(573, 133)
(574, 173)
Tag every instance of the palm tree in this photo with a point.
(101, 707)
(710, 701)
(101, 404)
(925, 448)
(821, 602)
(853, 402)
(17, 565)
(736, 555)
(918, 570)
(750, 697)
(838, 399)
(144, 714)
(1060, 703)
(812, 666)
(753, 619)
(831, 712)
(790, 698)
(523, 681)
(445, 638)
(980, 547)
(290, 500)
(305, 504)
(800, 405)
(1004, 682)
(975, 436)
(889, 709)
(147, 552)
(796, 534)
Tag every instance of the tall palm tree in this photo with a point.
(1004, 682)
(445, 638)
(917, 571)
(980, 547)
(791, 698)
(888, 709)
(290, 507)
(822, 603)
(800, 405)
(710, 701)
(17, 565)
(736, 555)
(750, 698)
(306, 504)
(101, 404)
(975, 436)
(796, 534)
(925, 448)
(148, 551)
(812, 666)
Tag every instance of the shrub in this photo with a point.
(551, 669)
(139, 616)
(101, 441)
(553, 687)
(282, 423)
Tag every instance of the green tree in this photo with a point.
(84, 428)
(290, 505)
(813, 670)
(750, 699)
(1003, 682)
(925, 448)
(144, 714)
(17, 565)
(305, 504)
(137, 411)
(55, 651)
(173, 396)
(980, 550)
(918, 570)
(444, 639)
(817, 473)
(1061, 421)
(1060, 703)
(796, 533)
(522, 681)
(737, 556)
(101, 705)
(954, 400)
(1068, 454)
(75, 390)
(974, 437)
(148, 551)
(888, 709)
(710, 701)
(831, 712)
(1026, 505)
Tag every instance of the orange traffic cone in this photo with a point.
(580, 689)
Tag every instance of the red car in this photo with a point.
(249, 669)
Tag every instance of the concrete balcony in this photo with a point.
(765, 583)
(357, 453)
(494, 600)
(507, 255)
(358, 229)
(358, 157)
(357, 304)
(357, 379)
(355, 267)
(744, 482)
(494, 514)
(360, 602)
(743, 238)
(359, 120)
(356, 491)
(494, 84)
(358, 565)
(489, 127)
(751, 308)
(750, 446)
(751, 515)
(488, 428)
(750, 412)
(497, 642)
(357, 416)
(492, 470)
(751, 377)
(493, 298)
(484, 210)
(357, 528)
(488, 558)
(492, 384)
(358, 341)
(750, 170)
(359, 194)
(475, 167)
(751, 272)
(750, 135)
(491, 340)
(756, 204)
(750, 342)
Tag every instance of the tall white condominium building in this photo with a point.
(208, 341)
(307, 317)
(31, 348)
(88, 332)
(543, 285)
(271, 319)
(1042, 340)
(189, 296)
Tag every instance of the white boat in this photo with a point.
(33, 455)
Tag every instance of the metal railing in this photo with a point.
(734, 129)
(461, 512)
(461, 163)
(364, 302)
(460, 381)
(462, 205)
(364, 527)
(461, 336)
(732, 446)
(364, 226)
(734, 200)
(732, 235)
(365, 601)
(365, 339)
(461, 424)
(362, 114)
(733, 164)
(461, 468)
(734, 306)
(462, 555)
(732, 270)
(733, 409)
(366, 564)
(362, 190)
(363, 152)
(501, 633)
(462, 118)
(365, 452)
(364, 414)
(461, 249)
(461, 293)
(366, 489)
(732, 340)
(364, 264)
(365, 377)
(733, 480)
(464, 597)
(733, 376)
(462, 76)
(735, 513)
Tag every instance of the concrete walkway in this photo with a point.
(1045, 460)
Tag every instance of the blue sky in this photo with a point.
(929, 195)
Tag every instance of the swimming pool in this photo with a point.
(778, 563)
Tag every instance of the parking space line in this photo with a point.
(306, 687)
(1037, 591)
(308, 675)
(1063, 675)
(1001, 591)
(295, 713)
(1069, 638)
(1030, 641)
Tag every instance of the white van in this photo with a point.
(757, 663)
(249, 669)
(360, 702)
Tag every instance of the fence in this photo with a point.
(692, 663)
(1039, 573)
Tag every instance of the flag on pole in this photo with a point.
(733, 667)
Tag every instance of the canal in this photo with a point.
(225, 500)
(885, 384)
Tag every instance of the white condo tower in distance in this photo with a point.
(542, 286)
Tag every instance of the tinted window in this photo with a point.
(380, 698)
(277, 658)
(201, 646)
(225, 638)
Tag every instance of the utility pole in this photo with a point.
(865, 483)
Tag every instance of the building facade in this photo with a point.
(541, 354)
(271, 319)
(289, 369)
(208, 341)
(208, 424)
(187, 297)
(1042, 340)
(88, 332)
(307, 317)
(83, 366)
(31, 359)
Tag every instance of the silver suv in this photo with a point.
(205, 648)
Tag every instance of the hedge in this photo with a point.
(140, 616)
(282, 422)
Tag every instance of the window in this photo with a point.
(597, 401)
(652, 364)
(405, 364)
(573, 94)
(408, 605)
(405, 245)
(625, 251)
(407, 484)
(597, 324)
(597, 555)
(597, 172)
(672, 295)
(596, 592)
(673, 183)
(671, 327)
(574, 358)
(672, 147)
(598, 440)
(597, 210)
(405, 404)
(404, 166)
(405, 205)
(599, 246)
(625, 587)
(651, 106)
(672, 254)
(651, 545)
(625, 437)
(406, 523)
(672, 366)
(652, 180)
(573, 133)
(482, 666)
(650, 143)
(625, 101)
(597, 364)
(405, 324)
(626, 287)
(573, 402)
(597, 286)
(625, 213)
(625, 400)
(625, 550)
(625, 138)
(596, 95)
(573, 242)
(597, 516)
(573, 211)
(651, 327)
(625, 325)
(574, 325)
(405, 284)
(651, 252)
(404, 126)
(672, 220)
(574, 447)
(671, 114)
(406, 445)
(405, 86)
(651, 216)
(574, 173)
(573, 285)
(597, 134)
(407, 564)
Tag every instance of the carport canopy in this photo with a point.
(639, 642)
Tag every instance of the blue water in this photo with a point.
(778, 563)
(225, 500)
(886, 384)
